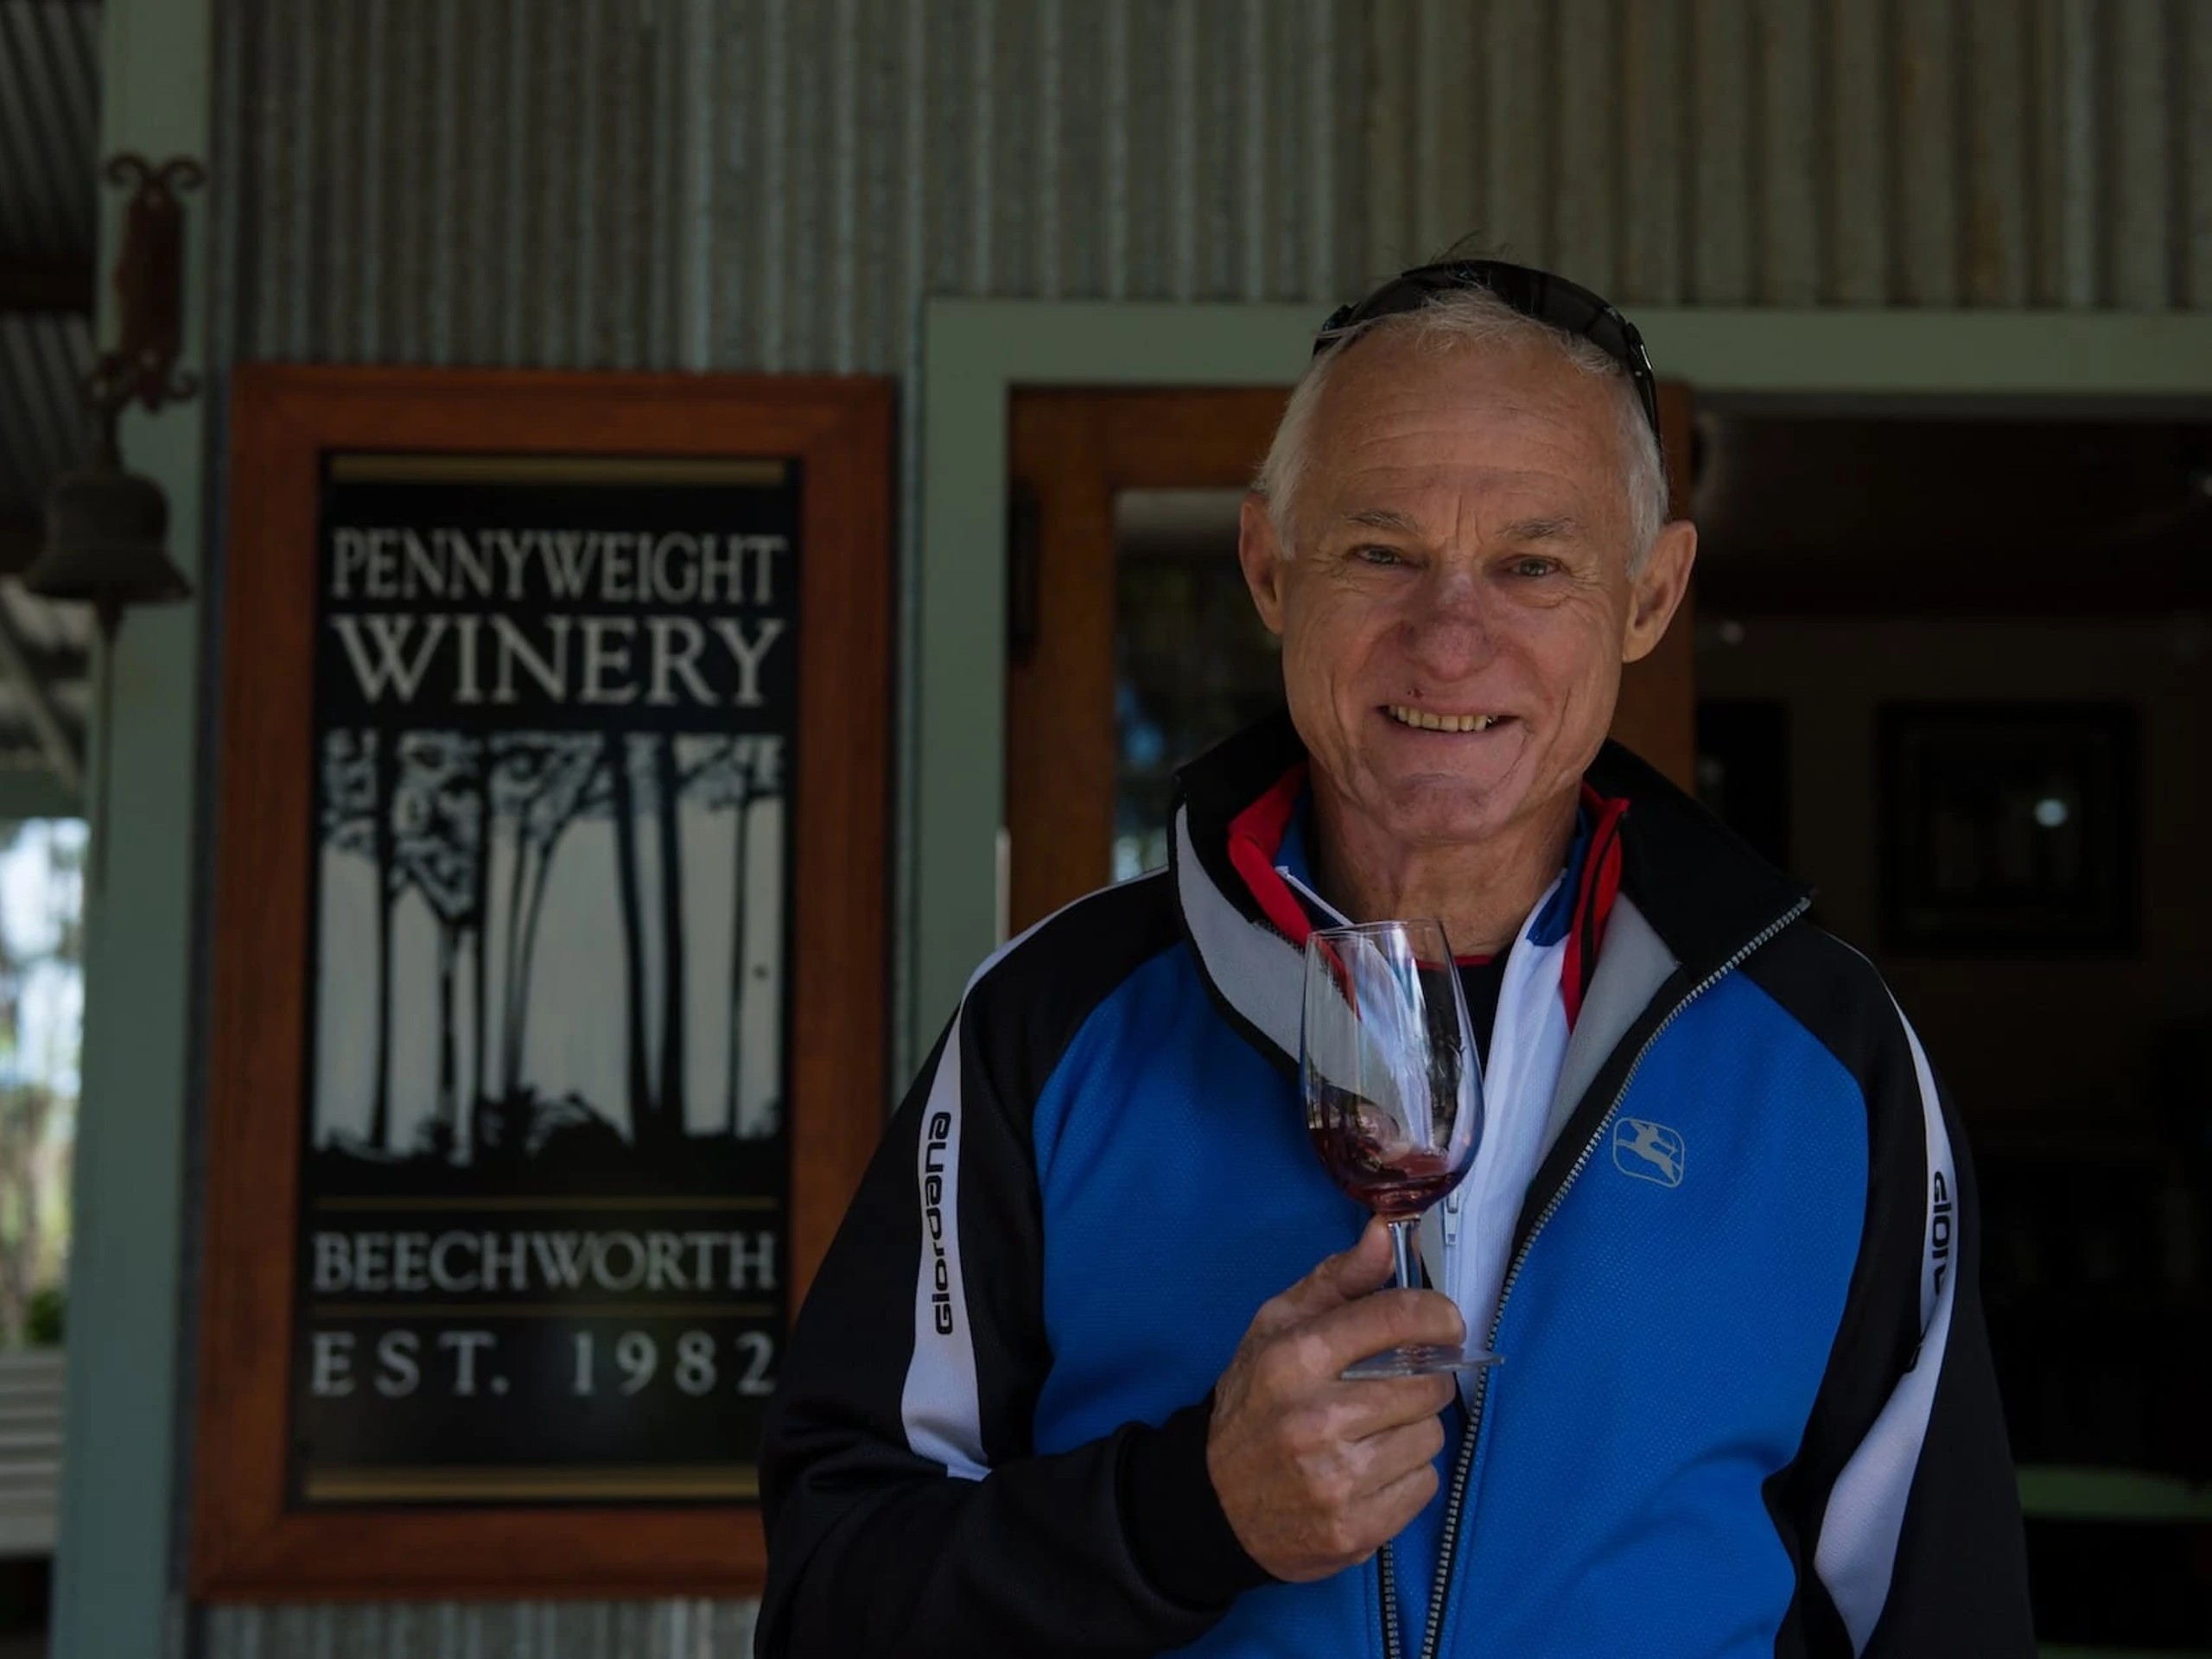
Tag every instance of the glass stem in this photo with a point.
(1404, 1244)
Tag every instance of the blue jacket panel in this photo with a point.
(1627, 1437)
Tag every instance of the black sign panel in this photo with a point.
(546, 1171)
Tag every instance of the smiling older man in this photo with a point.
(1051, 1394)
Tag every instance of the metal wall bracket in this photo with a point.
(150, 282)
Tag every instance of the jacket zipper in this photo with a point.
(1455, 1503)
(1388, 1575)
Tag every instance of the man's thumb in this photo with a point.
(1344, 1277)
(1366, 1267)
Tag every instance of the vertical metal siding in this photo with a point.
(49, 120)
(2193, 156)
(45, 357)
(776, 184)
(1998, 169)
(588, 1629)
(1786, 72)
(2065, 91)
(1926, 156)
(1716, 194)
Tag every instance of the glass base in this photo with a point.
(1419, 1360)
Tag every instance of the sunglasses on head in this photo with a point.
(1534, 294)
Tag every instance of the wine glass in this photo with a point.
(1393, 1092)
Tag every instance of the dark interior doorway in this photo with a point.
(1956, 670)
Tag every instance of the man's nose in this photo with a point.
(1447, 627)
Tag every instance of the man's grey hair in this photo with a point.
(1457, 320)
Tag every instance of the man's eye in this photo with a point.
(1378, 556)
(1532, 566)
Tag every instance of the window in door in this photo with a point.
(1193, 661)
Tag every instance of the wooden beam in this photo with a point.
(55, 285)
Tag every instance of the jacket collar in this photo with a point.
(1705, 894)
(1699, 889)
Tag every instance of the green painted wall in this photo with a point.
(113, 1579)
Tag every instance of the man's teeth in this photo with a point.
(1427, 722)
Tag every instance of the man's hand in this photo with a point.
(1315, 1473)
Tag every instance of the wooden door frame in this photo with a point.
(974, 352)
(1075, 449)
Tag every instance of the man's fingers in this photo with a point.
(1369, 1407)
(1390, 1319)
(1388, 1458)
(1307, 1466)
(1344, 1277)
(1392, 1509)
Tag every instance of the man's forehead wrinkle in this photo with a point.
(1384, 518)
(1439, 444)
(1493, 504)
(1466, 515)
(1557, 527)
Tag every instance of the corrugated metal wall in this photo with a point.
(774, 184)
(689, 183)
(675, 1629)
(50, 121)
(50, 115)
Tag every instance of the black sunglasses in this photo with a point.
(1536, 294)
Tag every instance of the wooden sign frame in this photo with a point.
(284, 421)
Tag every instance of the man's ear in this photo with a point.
(1656, 591)
(1260, 553)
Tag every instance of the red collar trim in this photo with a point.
(1594, 900)
(1255, 836)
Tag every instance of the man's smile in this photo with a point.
(1430, 719)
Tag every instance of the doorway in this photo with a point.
(1955, 669)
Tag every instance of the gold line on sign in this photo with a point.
(541, 1310)
(554, 469)
(461, 1485)
(647, 1201)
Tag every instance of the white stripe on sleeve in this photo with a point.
(939, 1405)
(1866, 1513)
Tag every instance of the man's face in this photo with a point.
(1460, 558)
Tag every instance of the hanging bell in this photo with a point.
(106, 536)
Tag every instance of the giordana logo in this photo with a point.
(1939, 1229)
(1650, 1151)
(933, 1157)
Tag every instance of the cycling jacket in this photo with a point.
(1745, 1406)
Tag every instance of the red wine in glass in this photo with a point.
(1393, 1089)
(1397, 1183)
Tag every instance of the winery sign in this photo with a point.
(549, 966)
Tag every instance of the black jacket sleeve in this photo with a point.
(907, 1513)
(1959, 1583)
(1902, 1508)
